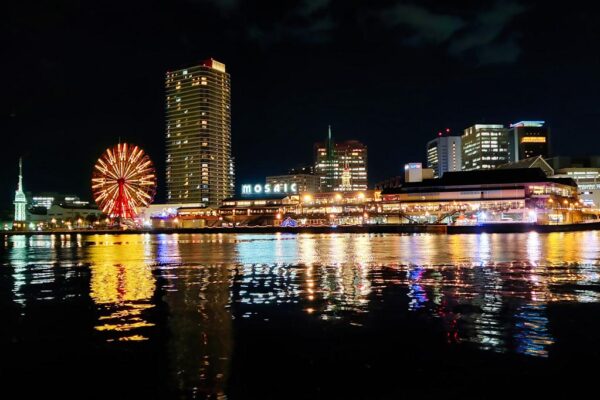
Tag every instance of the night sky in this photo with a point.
(80, 75)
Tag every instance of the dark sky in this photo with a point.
(79, 75)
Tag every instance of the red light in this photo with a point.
(447, 129)
(439, 133)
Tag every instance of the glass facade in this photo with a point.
(332, 158)
(444, 154)
(485, 147)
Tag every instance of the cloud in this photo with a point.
(309, 7)
(428, 27)
(503, 52)
(482, 35)
(307, 22)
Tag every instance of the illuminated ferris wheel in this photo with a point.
(123, 181)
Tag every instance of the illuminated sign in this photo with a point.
(533, 139)
(413, 166)
(268, 188)
(535, 124)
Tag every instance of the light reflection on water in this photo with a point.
(489, 290)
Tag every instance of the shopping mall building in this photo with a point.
(525, 195)
(484, 196)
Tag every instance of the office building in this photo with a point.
(444, 153)
(199, 165)
(302, 169)
(485, 147)
(304, 182)
(341, 165)
(529, 139)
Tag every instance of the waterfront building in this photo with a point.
(304, 182)
(48, 199)
(66, 216)
(186, 216)
(20, 203)
(337, 208)
(257, 211)
(532, 162)
(199, 165)
(341, 165)
(395, 181)
(444, 153)
(414, 172)
(585, 171)
(588, 183)
(485, 147)
(486, 196)
(529, 139)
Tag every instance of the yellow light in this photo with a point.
(307, 198)
(361, 195)
(278, 216)
(338, 197)
(533, 139)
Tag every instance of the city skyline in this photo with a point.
(367, 72)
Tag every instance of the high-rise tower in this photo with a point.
(444, 153)
(199, 165)
(485, 147)
(20, 199)
(529, 139)
(341, 165)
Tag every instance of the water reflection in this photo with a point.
(488, 291)
(122, 284)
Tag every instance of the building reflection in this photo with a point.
(122, 284)
(41, 267)
(198, 296)
(490, 291)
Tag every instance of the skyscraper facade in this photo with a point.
(342, 166)
(199, 167)
(444, 153)
(529, 139)
(485, 147)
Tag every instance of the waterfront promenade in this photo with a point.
(383, 228)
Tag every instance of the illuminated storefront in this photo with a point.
(475, 197)
(338, 208)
